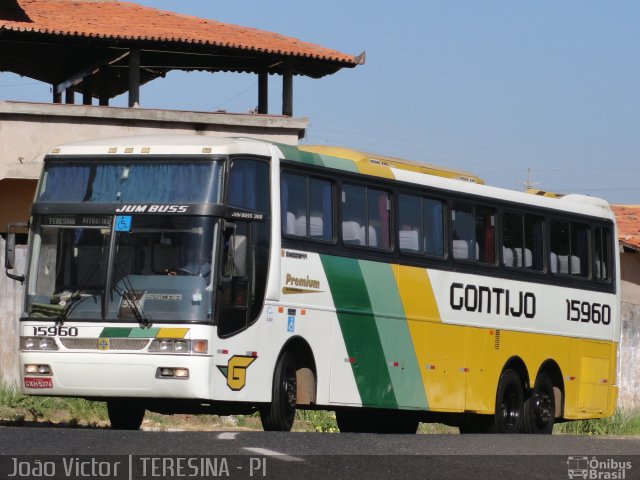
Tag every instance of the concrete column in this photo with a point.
(104, 85)
(263, 92)
(70, 95)
(87, 90)
(57, 96)
(134, 78)
(287, 93)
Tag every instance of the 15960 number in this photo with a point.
(55, 331)
(579, 311)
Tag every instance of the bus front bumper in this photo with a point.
(116, 375)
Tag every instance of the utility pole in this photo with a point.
(529, 183)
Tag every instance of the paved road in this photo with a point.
(311, 456)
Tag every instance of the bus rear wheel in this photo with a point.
(540, 407)
(509, 403)
(279, 415)
(125, 414)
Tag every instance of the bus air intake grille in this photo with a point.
(114, 343)
(496, 340)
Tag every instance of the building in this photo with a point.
(628, 219)
(91, 51)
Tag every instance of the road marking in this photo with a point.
(277, 455)
(227, 436)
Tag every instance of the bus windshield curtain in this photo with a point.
(65, 183)
(242, 185)
(383, 211)
(327, 217)
(161, 183)
(434, 234)
(284, 201)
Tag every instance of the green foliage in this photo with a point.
(316, 421)
(40, 407)
(621, 423)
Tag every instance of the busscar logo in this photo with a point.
(152, 209)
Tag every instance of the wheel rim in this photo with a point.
(542, 408)
(289, 391)
(510, 408)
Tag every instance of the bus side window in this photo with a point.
(473, 232)
(522, 244)
(306, 207)
(410, 223)
(420, 226)
(569, 253)
(365, 216)
(579, 249)
(559, 247)
(602, 254)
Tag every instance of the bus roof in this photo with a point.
(337, 158)
(372, 158)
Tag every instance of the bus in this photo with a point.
(188, 274)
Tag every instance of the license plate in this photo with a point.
(33, 382)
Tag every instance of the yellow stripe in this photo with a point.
(375, 170)
(172, 333)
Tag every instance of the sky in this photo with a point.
(512, 91)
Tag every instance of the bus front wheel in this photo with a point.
(280, 413)
(125, 414)
(509, 403)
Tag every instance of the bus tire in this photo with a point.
(349, 421)
(509, 403)
(125, 414)
(279, 415)
(540, 407)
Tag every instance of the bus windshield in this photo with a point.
(165, 263)
(68, 261)
(161, 263)
(131, 181)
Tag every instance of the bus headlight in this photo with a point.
(37, 343)
(178, 345)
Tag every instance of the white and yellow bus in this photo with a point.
(203, 274)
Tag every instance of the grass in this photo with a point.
(17, 408)
(621, 423)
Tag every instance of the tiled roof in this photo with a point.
(628, 220)
(111, 19)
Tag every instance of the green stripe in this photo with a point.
(394, 334)
(292, 153)
(115, 332)
(121, 332)
(312, 158)
(339, 163)
(359, 330)
(144, 332)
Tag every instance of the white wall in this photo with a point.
(10, 307)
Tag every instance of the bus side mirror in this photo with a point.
(10, 252)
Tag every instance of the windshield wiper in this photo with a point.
(129, 295)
